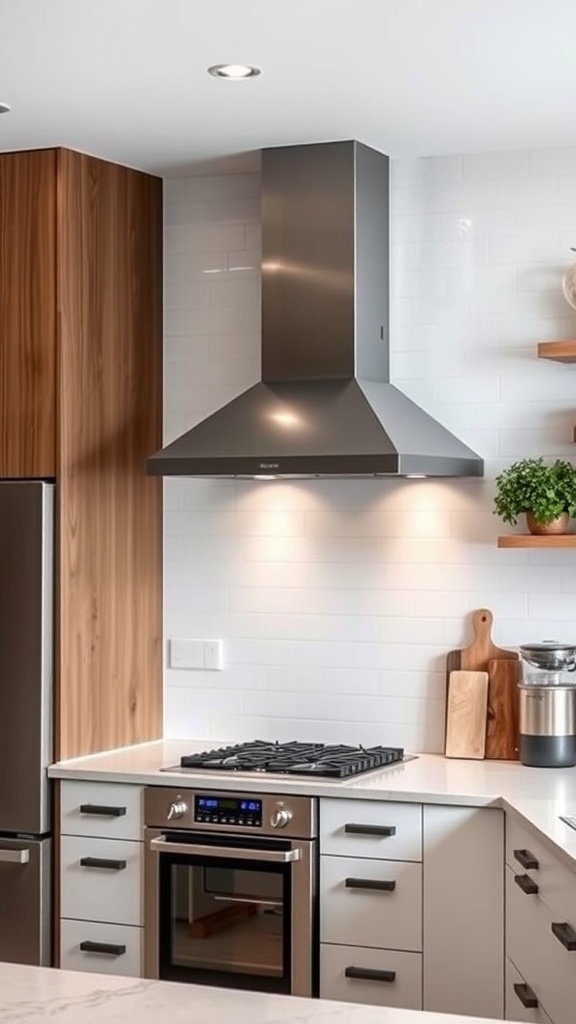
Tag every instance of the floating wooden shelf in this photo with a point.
(560, 351)
(531, 540)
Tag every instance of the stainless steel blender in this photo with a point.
(548, 705)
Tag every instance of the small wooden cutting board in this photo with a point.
(466, 714)
(503, 710)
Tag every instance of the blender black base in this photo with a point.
(548, 751)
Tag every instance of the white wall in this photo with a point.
(337, 600)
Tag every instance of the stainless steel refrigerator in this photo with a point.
(26, 668)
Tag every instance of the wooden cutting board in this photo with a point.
(466, 714)
(452, 665)
(477, 655)
(503, 709)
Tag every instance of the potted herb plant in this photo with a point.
(544, 492)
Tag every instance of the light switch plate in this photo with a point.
(213, 654)
(186, 653)
(195, 654)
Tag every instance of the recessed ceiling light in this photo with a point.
(4, 108)
(235, 72)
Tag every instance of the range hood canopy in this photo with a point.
(325, 405)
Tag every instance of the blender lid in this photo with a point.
(551, 655)
(549, 645)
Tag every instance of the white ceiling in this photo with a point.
(126, 79)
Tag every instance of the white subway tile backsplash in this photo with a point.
(420, 227)
(173, 238)
(337, 600)
(186, 294)
(524, 247)
(483, 223)
(220, 187)
(234, 210)
(219, 320)
(212, 237)
(234, 291)
(527, 191)
(552, 160)
(512, 165)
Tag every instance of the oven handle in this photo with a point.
(252, 901)
(195, 849)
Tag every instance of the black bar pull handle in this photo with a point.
(369, 974)
(384, 831)
(565, 934)
(526, 996)
(102, 862)
(370, 883)
(103, 810)
(526, 859)
(110, 948)
(526, 884)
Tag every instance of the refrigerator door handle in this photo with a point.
(14, 856)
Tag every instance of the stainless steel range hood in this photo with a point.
(325, 406)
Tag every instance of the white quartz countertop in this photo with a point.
(30, 995)
(537, 796)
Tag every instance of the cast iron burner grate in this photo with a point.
(294, 758)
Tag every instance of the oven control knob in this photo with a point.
(177, 809)
(281, 817)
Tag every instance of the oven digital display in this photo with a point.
(228, 810)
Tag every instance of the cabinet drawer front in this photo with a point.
(356, 912)
(544, 963)
(105, 809)
(555, 880)
(371, 828)
(515, 1001)
(101, 879)
(404, 990)
(125, 947)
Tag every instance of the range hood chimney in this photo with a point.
(325, 406)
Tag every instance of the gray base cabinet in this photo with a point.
(463, 911)
(412, 906)
(522, 1003)
(379, 977)
(371, 902)
(101, 878)
(540, 928)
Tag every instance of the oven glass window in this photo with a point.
(225, 922)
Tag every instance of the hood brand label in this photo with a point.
(269, 465)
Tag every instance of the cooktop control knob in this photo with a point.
(178, 809)
(281, 817)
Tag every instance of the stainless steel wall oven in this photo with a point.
(231, 889)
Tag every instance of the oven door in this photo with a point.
(231, 911)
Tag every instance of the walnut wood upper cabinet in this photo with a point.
(28, 199)
(80, 402)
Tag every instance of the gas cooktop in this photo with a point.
(292, 758)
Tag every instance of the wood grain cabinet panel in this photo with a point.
(80, 402)
(27, 314)
(109, 419)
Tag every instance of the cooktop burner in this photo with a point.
(294, 758)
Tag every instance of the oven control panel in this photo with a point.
(228, 810)
(235, 811)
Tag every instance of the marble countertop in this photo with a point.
(538, 796)
(33, 995)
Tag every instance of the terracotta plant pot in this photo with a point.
(559, 525)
